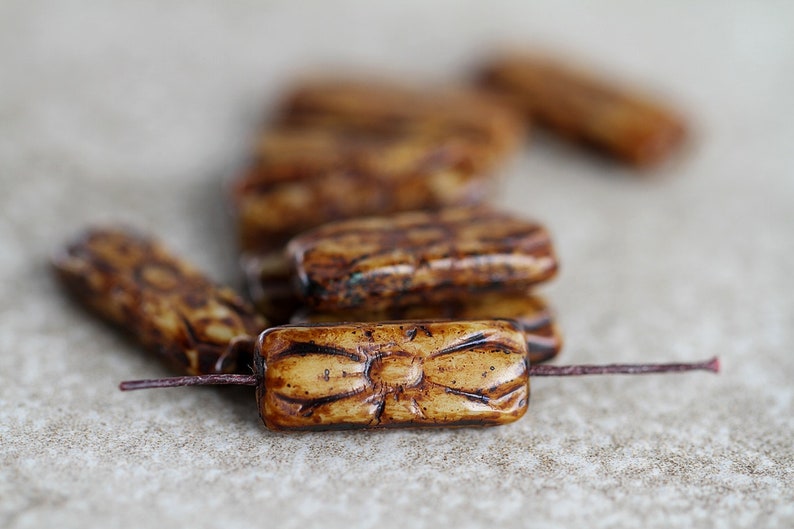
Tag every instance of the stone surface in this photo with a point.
(135, 112)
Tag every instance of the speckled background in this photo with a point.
(135, 111)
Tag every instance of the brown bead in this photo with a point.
(585, 108)
(419, 258)
(343, 149)
(382, 108)
(278, 198)
(386, 375)
(169, 306)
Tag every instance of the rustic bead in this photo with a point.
(418, 258)
(342, 149)
(412, 373)
(278, 198)
(582, 107)
(169, 306)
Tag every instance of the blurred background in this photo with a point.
(139, 112)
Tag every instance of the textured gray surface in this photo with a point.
(134, 112)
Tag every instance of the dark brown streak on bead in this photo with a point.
(313, 404)
(379, 410)
(306, 348)
(503, 389)
(190, 331)
(471, 396)
(469, 342)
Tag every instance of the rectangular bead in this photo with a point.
(585, 108)
(419, 258)
(194, 325)
(380, 107)
(349, 148)
(412, 373)
(275, 200)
